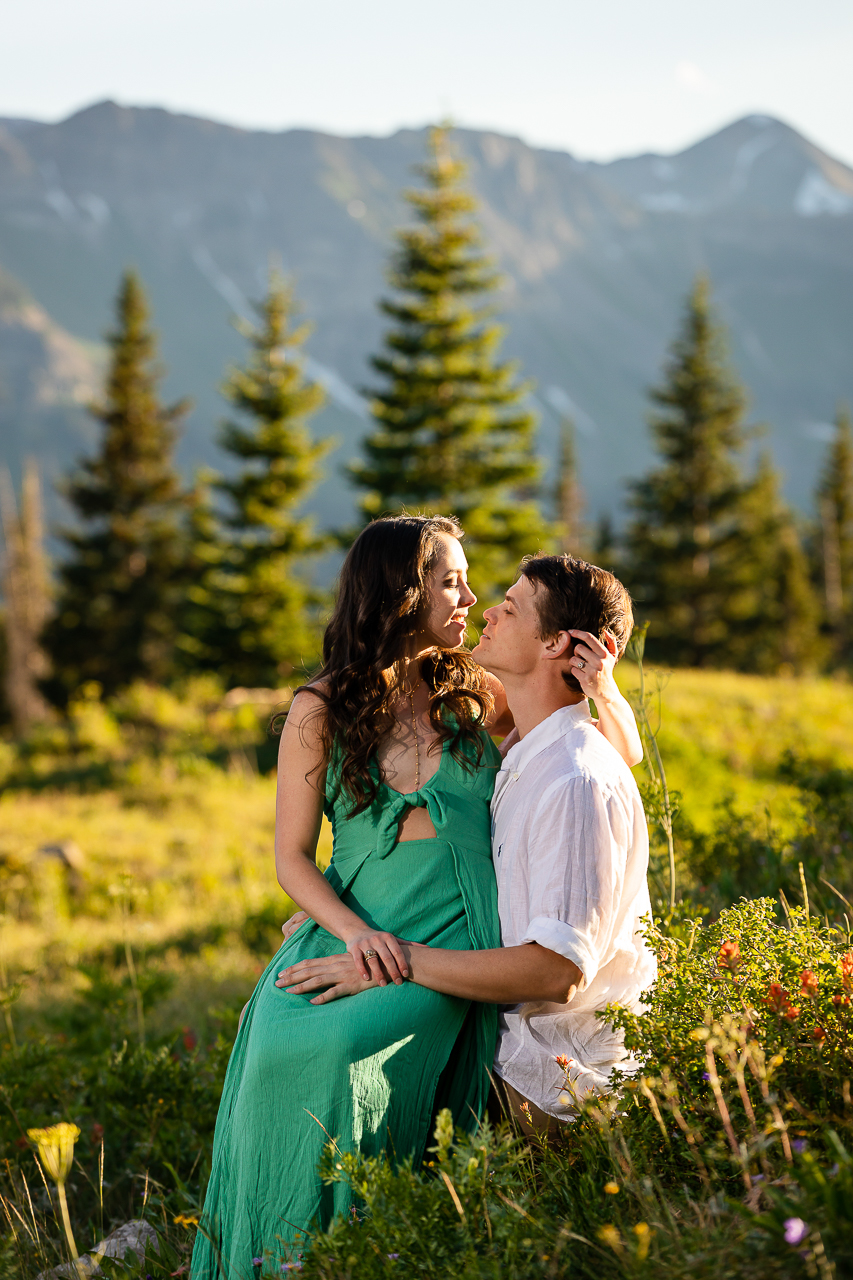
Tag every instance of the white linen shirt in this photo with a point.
(571, 850)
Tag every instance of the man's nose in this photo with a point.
(486, 613)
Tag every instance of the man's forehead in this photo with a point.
(521, 592)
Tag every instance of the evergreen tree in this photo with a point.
(452, 432)
(775, 619)
(835, 509)
(25, 592)
(570, 501)
(689, 546)
(252, 618)
(119, 588)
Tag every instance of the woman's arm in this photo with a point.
(298, 814)
(595, 676)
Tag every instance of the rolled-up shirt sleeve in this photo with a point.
(576, 872)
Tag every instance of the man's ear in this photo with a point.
(560, 646)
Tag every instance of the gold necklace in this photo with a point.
(417, 741)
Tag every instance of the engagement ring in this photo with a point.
(582, 663)
(368, 955)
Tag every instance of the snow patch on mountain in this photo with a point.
(816, 195)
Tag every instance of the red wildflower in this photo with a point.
(777, 998)
(839, 999)
(819, 1034)
(808, 983)
(728, 956)
(792, 1012)
(562, 1062)
(847, 971)
(190, 1039)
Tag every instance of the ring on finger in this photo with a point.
(369, 955)
(582, 663)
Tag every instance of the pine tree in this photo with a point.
(570, 501)
(452, 431)
(25, 592)
(775, 618)
(835, 510)
(688, 546)
(120, 587)
(254, 617)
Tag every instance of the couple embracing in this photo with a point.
(479, 908)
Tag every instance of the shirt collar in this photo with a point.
(554, 726)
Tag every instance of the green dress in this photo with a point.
(369, 1070)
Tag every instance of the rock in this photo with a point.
(69, 853)
(134, 1235)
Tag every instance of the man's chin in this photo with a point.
(480, 654)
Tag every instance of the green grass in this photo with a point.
(725, 733)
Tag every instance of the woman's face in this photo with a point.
(448, 596)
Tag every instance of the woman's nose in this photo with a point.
(467, 597)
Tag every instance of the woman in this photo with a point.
(392, 742)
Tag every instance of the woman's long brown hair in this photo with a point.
(382, 598)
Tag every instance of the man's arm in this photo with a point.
(504, 975)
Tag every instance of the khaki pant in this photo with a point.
(505, 1102)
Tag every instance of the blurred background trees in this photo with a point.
(251, 612)
(454, 432)
(160, 584)
(119, 584)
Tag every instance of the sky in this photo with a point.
(601, 79)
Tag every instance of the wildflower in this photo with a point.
(808, 983)
(792, 1012)
(190, 1039)
(563, 1062)
(847, 970)
(777, 998)
(609, 1235)
(795, 1230)
(729, 957)
(611, 1188)
(800, 1145)
(525, 1111)
(393, 1256)
(643, 1232)
(839, 1000)
(818, 1034)
(257, 1262)
(56, 1151)
(186, 1220)
(444, 1131)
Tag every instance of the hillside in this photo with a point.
(597, 258)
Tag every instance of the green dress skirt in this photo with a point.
(371, 1070)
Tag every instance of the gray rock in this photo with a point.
(134, 1235)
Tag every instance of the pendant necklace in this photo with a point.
(410, 694)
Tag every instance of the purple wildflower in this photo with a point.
(800, 1145)
(705, 1075)
(393, 1256)
(795, 1230)
(256, 1262)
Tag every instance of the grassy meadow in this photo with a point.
(125, 960)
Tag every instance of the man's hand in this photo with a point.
(290, 926)
(592, 664)
(332, 976)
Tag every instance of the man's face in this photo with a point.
(510, 643)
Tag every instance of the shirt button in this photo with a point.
(515, 777)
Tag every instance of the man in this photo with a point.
(570, 847)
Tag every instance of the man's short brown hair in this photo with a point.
(572, 595)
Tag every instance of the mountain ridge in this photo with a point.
(597, 258)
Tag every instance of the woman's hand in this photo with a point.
(592, 664)
(378, 956)
(290, 926)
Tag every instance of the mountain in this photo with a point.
(597, 260)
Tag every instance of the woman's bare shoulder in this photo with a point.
(307, 711)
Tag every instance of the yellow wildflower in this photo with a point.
(56, 1149)
(610, 1236)
(643, 1232)
(612, 1188)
